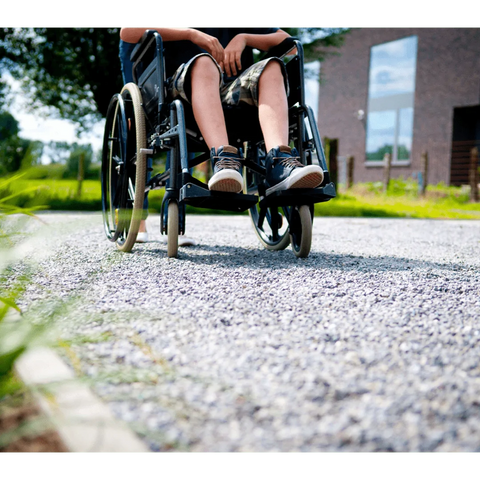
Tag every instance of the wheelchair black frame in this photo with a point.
(167, 129)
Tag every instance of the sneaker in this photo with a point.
(142, 237)
(227, 169)
(285, 171)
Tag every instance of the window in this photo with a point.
(391, 94)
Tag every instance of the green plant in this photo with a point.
(15, 336)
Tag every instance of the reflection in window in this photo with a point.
(405, 133)
(380, 134)
(390, 100)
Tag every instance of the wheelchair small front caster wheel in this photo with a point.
(172, 229)
(301, 231)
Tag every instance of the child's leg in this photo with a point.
(273, 106)
(208, 112)
(206, 102)
(283, 167)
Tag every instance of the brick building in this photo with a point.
(405, 91)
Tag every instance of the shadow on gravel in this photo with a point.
(235, 257)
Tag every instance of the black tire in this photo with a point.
(172, 229)
(301, 230)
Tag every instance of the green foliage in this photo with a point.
(3, 90)
(77, 153)
(17, 153)
(380, 153)
(77, 70)
(401, 200)
(318, 43)
(74, 70)
(8, 126)
(15, 335)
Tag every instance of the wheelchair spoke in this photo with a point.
(118, 161)
(131, 190)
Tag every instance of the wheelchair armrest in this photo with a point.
(283, 48)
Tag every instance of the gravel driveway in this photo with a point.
(370, 344)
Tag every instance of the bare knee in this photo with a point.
(272, 74)
(205, 68)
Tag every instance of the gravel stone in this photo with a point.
(372, 343)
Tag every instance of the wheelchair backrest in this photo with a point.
(149, 72)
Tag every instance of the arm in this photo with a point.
(207, 42)
(133, 35)
(264, 42)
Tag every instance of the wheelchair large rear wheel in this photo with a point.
(124, 168)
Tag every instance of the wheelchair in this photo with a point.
(142, 123)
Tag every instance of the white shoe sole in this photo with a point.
(226, 181)
(186, 241)
(142, 237)
(310, 176)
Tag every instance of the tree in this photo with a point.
(74, 70)
(3, 89)
(318, 39)
(77, 70)
(8, 126)
(11, 147)
(12, 153)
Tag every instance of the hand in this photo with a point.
(233, 54)
(210, 44)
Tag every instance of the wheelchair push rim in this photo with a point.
(113, 146)
(124, 168)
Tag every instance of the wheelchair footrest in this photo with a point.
(299, 196)
(196, 196)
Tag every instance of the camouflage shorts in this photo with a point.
(243, 89)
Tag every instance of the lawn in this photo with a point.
(401, 201)
(362, 200)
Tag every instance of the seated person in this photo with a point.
(211, 66)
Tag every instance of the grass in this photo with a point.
(401, 201)
(55, 194)
(362, 200)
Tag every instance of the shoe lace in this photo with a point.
(289, 161)
(227, 162)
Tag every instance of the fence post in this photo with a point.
(387, 159)
(332, 159)
(81, 173)
(350, 162)
(424, 183)
(473, 175)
